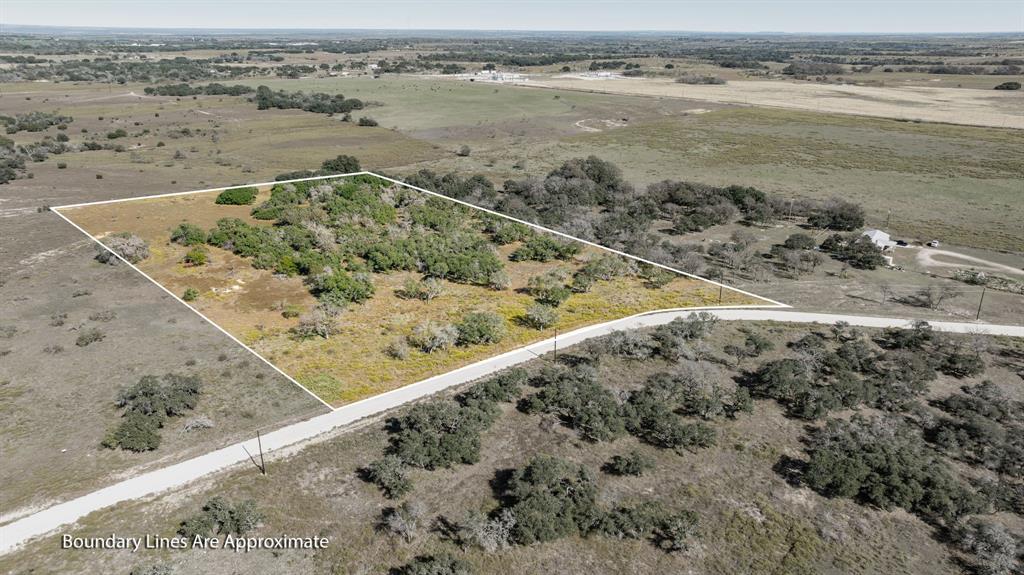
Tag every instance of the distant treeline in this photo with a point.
(178, 69)
(518, 59)
(804, 68)
(213, 89)
(318, 102)
(966, 70)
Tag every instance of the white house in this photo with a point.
(880, 239)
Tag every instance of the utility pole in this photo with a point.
(259, 441)
(720, 287)
(981, 300)
(262, 465)
(556, 345)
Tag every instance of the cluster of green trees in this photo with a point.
(650, 413)
(457, 256)
(453, 185)
(317, 102)
(34, 121)
(443, 432)
(982, 427)
(848, 370)
(838, 215)
(109, 70)
(808, 68)
(551, 498)
(147, 405)
(212, 89)
(856, 250)
(883, 461)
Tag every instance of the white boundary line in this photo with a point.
(56, 210)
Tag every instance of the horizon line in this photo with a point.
(212, 29)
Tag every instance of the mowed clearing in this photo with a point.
(997, 109)
(353, 363)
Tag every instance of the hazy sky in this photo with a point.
(702, 15)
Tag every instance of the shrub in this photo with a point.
(435, 565)
(549, 288)
(438, 434)
(490, 534)
(103, 316)
(89, 336)
(504, 232)
(431, 336)
(633, 463)
(481, 327)
(631, 344)
(397, 349)
(367, 121)
(580, 402)
(1008, 86)
(390, 474)
(648, 415)
(541, 316)
(657, 278)
(341, 288)
(637, 522)
(188, 234)
(191, 294)
(340, 165)
(316, 323)
(799, 242)
(425, 290)
(675, 532)
(237, 196)
(551, 498)
(543, 248)
(499, 280)
(505, 386)
(170, 396)
(220, 516)
(129, 246)
(196, 256)
(406, 520)
(136, 432)
(993, 547)
(753, 345)
(960, 362)
(464, 151)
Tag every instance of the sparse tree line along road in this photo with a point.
(17, 532)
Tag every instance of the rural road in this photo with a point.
(13, 534)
